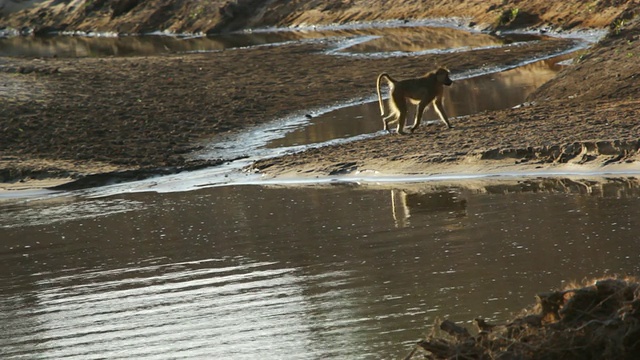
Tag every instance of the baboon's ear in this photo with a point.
(441, 67)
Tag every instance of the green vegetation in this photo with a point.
(514, 14)
(506, 17)
(197, 12)
(617, 26)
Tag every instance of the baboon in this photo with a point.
(422, 91)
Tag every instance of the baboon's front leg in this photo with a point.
(443, 115)
(419, 111)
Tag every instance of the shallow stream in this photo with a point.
(370, 39)
(218, 264)
(333, 271)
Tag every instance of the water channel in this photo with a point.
(371, 39)
(328, 270)
(333, 271)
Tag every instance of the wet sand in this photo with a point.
(72, 117)
(584, 120)
(68, 118)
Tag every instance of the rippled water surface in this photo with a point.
(340, 271)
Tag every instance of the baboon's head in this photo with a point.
(442, 75)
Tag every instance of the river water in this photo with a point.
(151, 270)
(372, 39)
(333, 271)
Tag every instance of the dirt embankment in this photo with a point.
(599, 320)
(73, 117)
(137, 16)
(586, 117)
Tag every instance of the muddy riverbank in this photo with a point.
(574, 323)
(64, 119)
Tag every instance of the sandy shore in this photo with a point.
(72, 118)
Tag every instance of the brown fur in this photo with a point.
(422, 91)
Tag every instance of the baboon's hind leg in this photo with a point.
(400, 107)
(389, 119)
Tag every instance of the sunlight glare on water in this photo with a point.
(321, 271)
(312, 272)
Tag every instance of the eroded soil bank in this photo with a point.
(66, 118)
(598, 320)
(137, 16)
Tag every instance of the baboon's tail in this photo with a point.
(390, 79)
